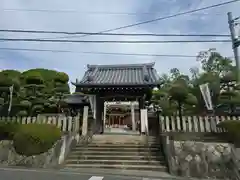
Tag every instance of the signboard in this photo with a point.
(204, 88)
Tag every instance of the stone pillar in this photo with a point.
(98, 115)
(109, 120)
(133, 117)
(101, 115)
(104, 114)
(145, 116)
(85, 121)
(141, 106)
(144, 121)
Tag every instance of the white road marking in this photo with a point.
(96, 178)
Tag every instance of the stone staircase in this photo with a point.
(128, 152)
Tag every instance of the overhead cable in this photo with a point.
(81, 12)
(104, 41)
(110, 34)
(160, 18)
(94, 52)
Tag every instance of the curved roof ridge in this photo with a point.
(148, 65)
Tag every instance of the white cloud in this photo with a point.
(210, 21)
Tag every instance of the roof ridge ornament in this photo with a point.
(148, 65)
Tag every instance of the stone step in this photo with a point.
(120, 166)
(112, 162)
(119, 157)
(121, 139)
(123, 146)
(112, 153)
(130, 147)
(124, 149)
(124, 141)
(115, 147)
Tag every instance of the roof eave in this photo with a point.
(114, 85)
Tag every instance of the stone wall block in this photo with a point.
(200, 159)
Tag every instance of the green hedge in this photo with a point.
(33, 139)
(8, 130)
(233, 130)
(30, 139)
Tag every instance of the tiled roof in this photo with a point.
(126, 74)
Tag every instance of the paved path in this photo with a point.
(25, 174)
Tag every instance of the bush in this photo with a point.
(8, 130)
(34, 139)
(34, 78)
(233, 130)
(22, 113)
(25, 104)
(61, 77)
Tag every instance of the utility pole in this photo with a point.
(235, 42)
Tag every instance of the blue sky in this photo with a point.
(208, 21)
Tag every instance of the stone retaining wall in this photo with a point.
(199, 159)
(50, 159)
(9, 157)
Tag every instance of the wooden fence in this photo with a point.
(167, 124)
(64, 123)
(193, 123)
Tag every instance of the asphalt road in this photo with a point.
(30, 174)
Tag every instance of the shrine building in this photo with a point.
(118, 94)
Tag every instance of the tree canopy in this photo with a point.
(35, 90)
(180, 93)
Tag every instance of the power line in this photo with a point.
(101, 53)
(110, 34)
(74, 11)
(79, 11)
(94, 52)
(161, 18)
(126, 42)
(82, 12)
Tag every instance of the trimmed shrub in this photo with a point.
(34, 139)
(61, 77)
(233, 130)
(34, 78)
(25, 104)
(22, 113)
(8, 130)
